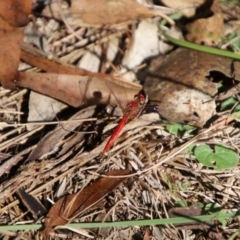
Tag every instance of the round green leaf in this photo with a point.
(222, 158)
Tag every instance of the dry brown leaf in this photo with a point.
(78, 90)
(110, 11)
(179, 83)
(41, 60)
(16, 12)
(53, 141)
(207, 31)
(184, 211)
(190, 68)
(12, 13)
(31, 203)
(236, 70)
(186, 7)
(70, 84)
(146, 235)
(189, 212)
(73, 205)
(7, 165)
(103, 12)
(4, 156)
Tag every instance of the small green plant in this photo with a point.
(234, 39)
(216, 209)
(234, 116)
(221, 158)
(178, 128)
(181, 203)
(229, 103)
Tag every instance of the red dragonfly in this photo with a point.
(132, 110)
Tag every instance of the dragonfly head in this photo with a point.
(140, 98)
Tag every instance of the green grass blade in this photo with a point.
(201, 48)
(165, 221)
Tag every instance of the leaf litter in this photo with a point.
(65, 161)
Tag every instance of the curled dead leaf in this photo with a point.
(71, 206)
